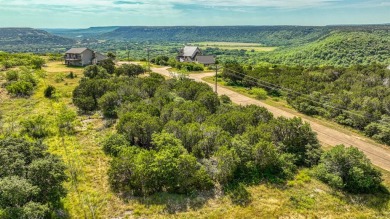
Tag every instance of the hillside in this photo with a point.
(91, 32)
(339, 49)
(25, 36)
(31, 40)
(266, 35)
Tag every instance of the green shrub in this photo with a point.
(36, 127)
(225, 99)
(109, 103)
(12, 76)
(259, 93)
(31, 180)
(380, 130)
(87, 93)
(59, 78)
(169, 168)
(27, 76)
(348, 169)
(114, 144)
(129, 70)
(71, 75)
(139, 127)
(20, 88)
(49, 91)
(37, 62)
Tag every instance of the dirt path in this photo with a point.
(378, 154)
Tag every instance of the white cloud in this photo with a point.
(142, 4)
(168, 7)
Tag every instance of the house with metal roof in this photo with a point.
(194, 54)
(83, 57)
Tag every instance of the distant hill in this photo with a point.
(24, 36)
(92, 32)
(266, 35)
(340, 45)
(32, 40)
(340, 48)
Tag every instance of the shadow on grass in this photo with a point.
(378, 201)
(237, 190)
(238, 194)
(175, 203)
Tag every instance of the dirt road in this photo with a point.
(378, 154)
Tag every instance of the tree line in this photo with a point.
(357, 96)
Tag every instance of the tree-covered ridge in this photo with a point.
(30, 36)
(338, 49)
(32, 40)
(272, 35)
(357, 96)
(267, 35)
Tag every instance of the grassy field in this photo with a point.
(90, 196)
(232, 45)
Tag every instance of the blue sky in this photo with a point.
(87, 13)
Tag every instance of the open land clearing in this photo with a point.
(257, 47)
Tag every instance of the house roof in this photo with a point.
(98, 53)
(76, 50)
(190, 51)
(207, 60)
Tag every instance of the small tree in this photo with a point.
(225, 99)
(109, 65)
(259, 93)
(36, 127)
(111, 55)
(138, 128)
(233, 72)
(49, 91)
(348, 169)
(20, 88)
(65, 120)
(37, 62)
(95, 71)
(109, 103)
(114, 144)
(129, 70)
(12, 75)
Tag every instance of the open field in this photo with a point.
(231, 44)
(234, 45)
(91, 197)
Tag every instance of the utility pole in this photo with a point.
(216, 79)
(128, 52)
(148, 49)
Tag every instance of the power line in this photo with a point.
(330, 136)
(273, 86)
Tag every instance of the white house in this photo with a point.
(83, 57)
(194, 54)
